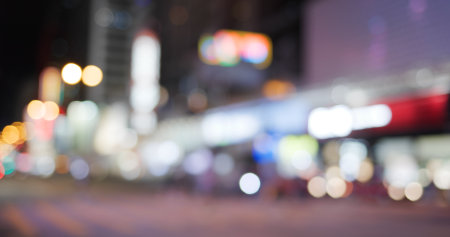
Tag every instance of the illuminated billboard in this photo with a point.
(228, 48)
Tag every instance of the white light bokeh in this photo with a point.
(159, 157)
(80, 111)
(353, 146)
(249, 183)
(79, 169)
(130, 139)
(425, 177)
(144, 123)
(111, 131)
(170, 152)
(396, 193)
(441, 178)
(401, 171)
(301, 160)
(317, 187)
(352, 153)
(413, 191)
(400, 166)
(336, 187)
(198, 162)
(349, 164)
(45, 166)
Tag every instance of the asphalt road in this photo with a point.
(119, 210)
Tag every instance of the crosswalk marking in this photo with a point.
(99, 217)
(60, 220)
(16, 218)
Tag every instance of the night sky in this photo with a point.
(34, 34)
(19, 47)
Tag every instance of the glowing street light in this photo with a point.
(10, 134)
(51, 110)
(92, 75)
(36, 109)
(249, 183)
(71, 73)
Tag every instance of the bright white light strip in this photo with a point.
(145, 59)
(339, 120)
(330, 122)
(220, 128)
(144, 96)
(371, 117)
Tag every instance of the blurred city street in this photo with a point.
(225, 118)
(63, 208)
